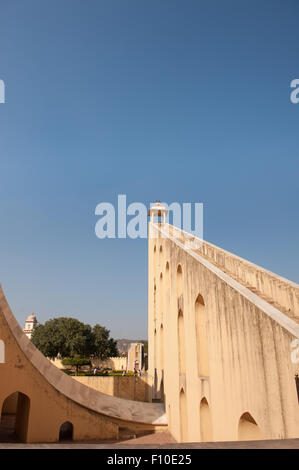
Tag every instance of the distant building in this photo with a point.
(30, 324)
(136, 356)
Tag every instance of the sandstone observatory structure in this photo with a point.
(221, 365)
(220, 334)
(48, 404)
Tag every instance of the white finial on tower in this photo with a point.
(158, 209)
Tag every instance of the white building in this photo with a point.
(30, 324)
(135, 356)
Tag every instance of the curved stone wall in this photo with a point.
(55, 397)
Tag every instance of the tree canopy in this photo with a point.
(104, 345)
(71, 338)
(76, 361)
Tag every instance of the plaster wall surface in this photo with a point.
(130, 388)
(200, 299)
(115, 363)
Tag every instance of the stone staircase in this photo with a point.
(206, 248)
(253, 289)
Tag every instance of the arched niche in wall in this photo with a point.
(183, 417)
(201, 337)
(160, 256)
(167, 288)
(15, 417)
(181, 343)
(155, 300)
(179, 281)
(248, 429)
(161, 293)
(155, 349)
(206, 434)
(66, 431)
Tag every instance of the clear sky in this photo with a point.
(183, 100)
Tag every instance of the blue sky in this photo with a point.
(171, 100)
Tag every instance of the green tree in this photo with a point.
(104, 346)
(71, 338)
(76, 361)
(67, 336)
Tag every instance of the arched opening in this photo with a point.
(2, 352)
(162, 389)
(14, 418)
(297, 385)
(154, 399)
(155, 256)
(201, 337)
(160, 255)
(181, 341)
(248, 429)
(161, 348)
(179, 281)
(155, 300)
(206, 434)
(155, 349)
(161, 294)
(183, 416)
(66, 431)
(167, 289)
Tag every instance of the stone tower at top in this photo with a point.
(30, 324)
(158, 209)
